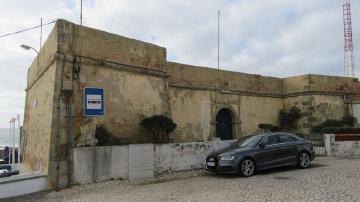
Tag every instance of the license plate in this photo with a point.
(210, 163)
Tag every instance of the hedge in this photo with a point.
(343, 130)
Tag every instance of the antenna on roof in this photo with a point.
(218, 56)
(348, 47)
(81, 8)
(41, 25)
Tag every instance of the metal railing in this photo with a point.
(318, 142)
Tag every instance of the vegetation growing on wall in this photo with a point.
(160, 127)
(345, 125)
(287, 120)
(105, 138)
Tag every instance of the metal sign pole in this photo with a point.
(19, 132)
(94, 156)
(13, 142)
(9, 144)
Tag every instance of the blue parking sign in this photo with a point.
(94, 102)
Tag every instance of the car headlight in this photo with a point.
(227, 158)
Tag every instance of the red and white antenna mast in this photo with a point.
(349, 69)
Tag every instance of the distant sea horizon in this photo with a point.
(4, 137)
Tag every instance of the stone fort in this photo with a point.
(138, 82)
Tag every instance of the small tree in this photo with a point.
(160, 127)
(288, 119)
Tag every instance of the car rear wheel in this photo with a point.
(304, 160)
(247, 167)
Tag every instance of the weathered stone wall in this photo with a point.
(190, 110)
(39, 107)
(319, 84)
(207, 78)
(316, 109)
(256, 110)
(129, 97)
(319, 98)
(107, 47)
(198, 93)
(139, 82)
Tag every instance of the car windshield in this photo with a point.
(247, 141)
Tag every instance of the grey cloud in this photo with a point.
(272, 37)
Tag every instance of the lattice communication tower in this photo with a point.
(349, 67)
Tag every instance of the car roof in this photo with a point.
(269, 133)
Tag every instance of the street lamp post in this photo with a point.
(26, 47)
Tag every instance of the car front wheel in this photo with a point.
(304, 160)
(247, 167)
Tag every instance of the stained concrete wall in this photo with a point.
(185, 156)
(124, 162)
(101, 163)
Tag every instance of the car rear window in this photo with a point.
(287, 138)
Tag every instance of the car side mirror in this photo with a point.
(261, 145)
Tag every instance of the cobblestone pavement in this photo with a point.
(329, 179)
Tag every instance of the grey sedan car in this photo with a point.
(261, 151)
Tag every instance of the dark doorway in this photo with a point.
(224, 125)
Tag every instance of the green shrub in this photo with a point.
(332, 123)
(160, 127)
(349, 121)
(337, 130)
(268, 127)
(288, 119)
(345, 122)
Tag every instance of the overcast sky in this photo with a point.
(268, 37)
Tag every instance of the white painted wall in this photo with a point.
(22, 184)
(105, 164)
(356, 111)
(341, 148)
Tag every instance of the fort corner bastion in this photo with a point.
(139, 82)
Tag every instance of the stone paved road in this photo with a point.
(329, 179)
